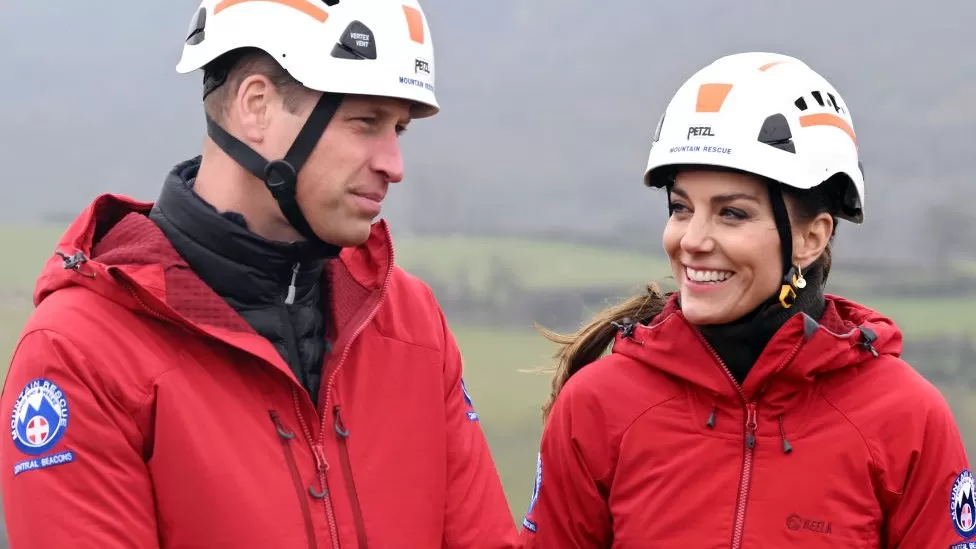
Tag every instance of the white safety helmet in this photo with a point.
(338, 47)
(763, 113)
(368, 47)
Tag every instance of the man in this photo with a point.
(241, 364)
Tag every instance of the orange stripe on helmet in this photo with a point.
(827, 119)
(711, 97)
(303, 6)
(770, 65)
(415, 23)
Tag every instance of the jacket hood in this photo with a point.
(803, 349)
(113, 249)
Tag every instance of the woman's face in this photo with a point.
(722, 244)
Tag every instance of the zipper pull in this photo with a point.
(340, 427)
(320, 462)
(290, 299)
(282, 432)
(711, 418)
(752, 421)
(787, 447)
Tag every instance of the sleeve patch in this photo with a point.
(34, 464)
(469, 405)
(962, 504)
(38, 422)
(527, 522)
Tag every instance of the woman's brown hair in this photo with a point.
(591, 341)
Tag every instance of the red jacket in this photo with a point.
(145, 412)
(831, 441)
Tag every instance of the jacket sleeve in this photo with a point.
(922, 511)
(569, 509)
(73, 472)
(477, 514)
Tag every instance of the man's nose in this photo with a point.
(388, 159)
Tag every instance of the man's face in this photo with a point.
(347, 176)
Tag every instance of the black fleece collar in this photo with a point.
(239, 265)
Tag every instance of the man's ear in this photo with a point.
(252, 106)
(811, 239)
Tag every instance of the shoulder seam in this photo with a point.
(146, 392)
(412, 282)
(630, 424)
(867, 443)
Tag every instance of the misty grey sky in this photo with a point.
(548, 106)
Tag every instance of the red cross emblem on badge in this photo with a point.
(966, 517)
(37, 430)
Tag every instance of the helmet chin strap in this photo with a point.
(281, 176)
(792, 278)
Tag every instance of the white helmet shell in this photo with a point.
(762, 113)
(375, 47)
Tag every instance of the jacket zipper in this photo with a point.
(322, 468)
(286, 437)
(318, 447)
(745, 479)
(342, 433)
(749, 436)
(749, 439)
(318, 451)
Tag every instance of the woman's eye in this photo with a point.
(734, 213)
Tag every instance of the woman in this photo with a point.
(749, 409)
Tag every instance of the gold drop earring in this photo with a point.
(792, 282)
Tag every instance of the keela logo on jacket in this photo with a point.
(796, 522)
(38, 422)
(962, 505)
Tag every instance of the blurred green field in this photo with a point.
(925, 317)
(507, 397)
(24, 248)
(538, 263)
